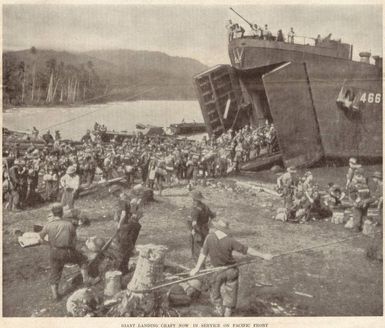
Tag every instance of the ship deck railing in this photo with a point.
(297, 39)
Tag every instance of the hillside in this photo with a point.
(108, 75)
(168, 77)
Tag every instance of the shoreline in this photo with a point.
(7, 109)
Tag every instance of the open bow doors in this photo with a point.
(219, 95)
(291, 106)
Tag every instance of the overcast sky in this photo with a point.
(189, 31)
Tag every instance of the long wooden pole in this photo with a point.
(323, 245)
(249, 262)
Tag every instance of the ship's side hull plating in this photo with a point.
(333, 106)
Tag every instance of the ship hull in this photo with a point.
(323, 104)
(301, 90)
(252, 53)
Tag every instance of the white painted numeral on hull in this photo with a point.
(371, 97)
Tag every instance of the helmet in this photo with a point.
(196, 284)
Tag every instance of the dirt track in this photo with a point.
(338, 279)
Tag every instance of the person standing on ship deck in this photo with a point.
(266, 33)
(290, 35)
(230, 30)
(239, 31)
(255, 31)
(280, 37)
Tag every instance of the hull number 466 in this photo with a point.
(370, 97)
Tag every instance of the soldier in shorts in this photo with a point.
(219, 246)
(62, 240)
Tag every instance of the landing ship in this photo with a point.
(324, 105)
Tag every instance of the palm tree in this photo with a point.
(90, 66)
(21, 76)
(51, 65)
(33, 52)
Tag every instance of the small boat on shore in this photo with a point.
(146, 130)
(262, 162)
(187, 128)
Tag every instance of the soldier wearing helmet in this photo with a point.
(198, 222)
(62, 240)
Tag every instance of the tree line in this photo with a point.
(53, 84)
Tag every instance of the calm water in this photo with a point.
(120, 116)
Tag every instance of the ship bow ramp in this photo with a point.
(332, 109)
(291, 106)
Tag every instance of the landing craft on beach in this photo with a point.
(324, 104)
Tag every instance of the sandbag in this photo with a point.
(82, 302)
(98, 171)
(373, 212)
(368, 227)
(29, 239)
(50, 177)
(161, 171)
(231, 168)
(347, 215)
(128, 168)
(350, 224)
(300, 213)
(281, 214)
(276, 169)
(337, 218)
(138, 188)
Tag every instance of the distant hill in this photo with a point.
(170, 76)
(115, 74)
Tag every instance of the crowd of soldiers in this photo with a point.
(210, 237)
(304, 200)
(236, 31)
(157, 160)
(56, 171)
(61, 168)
